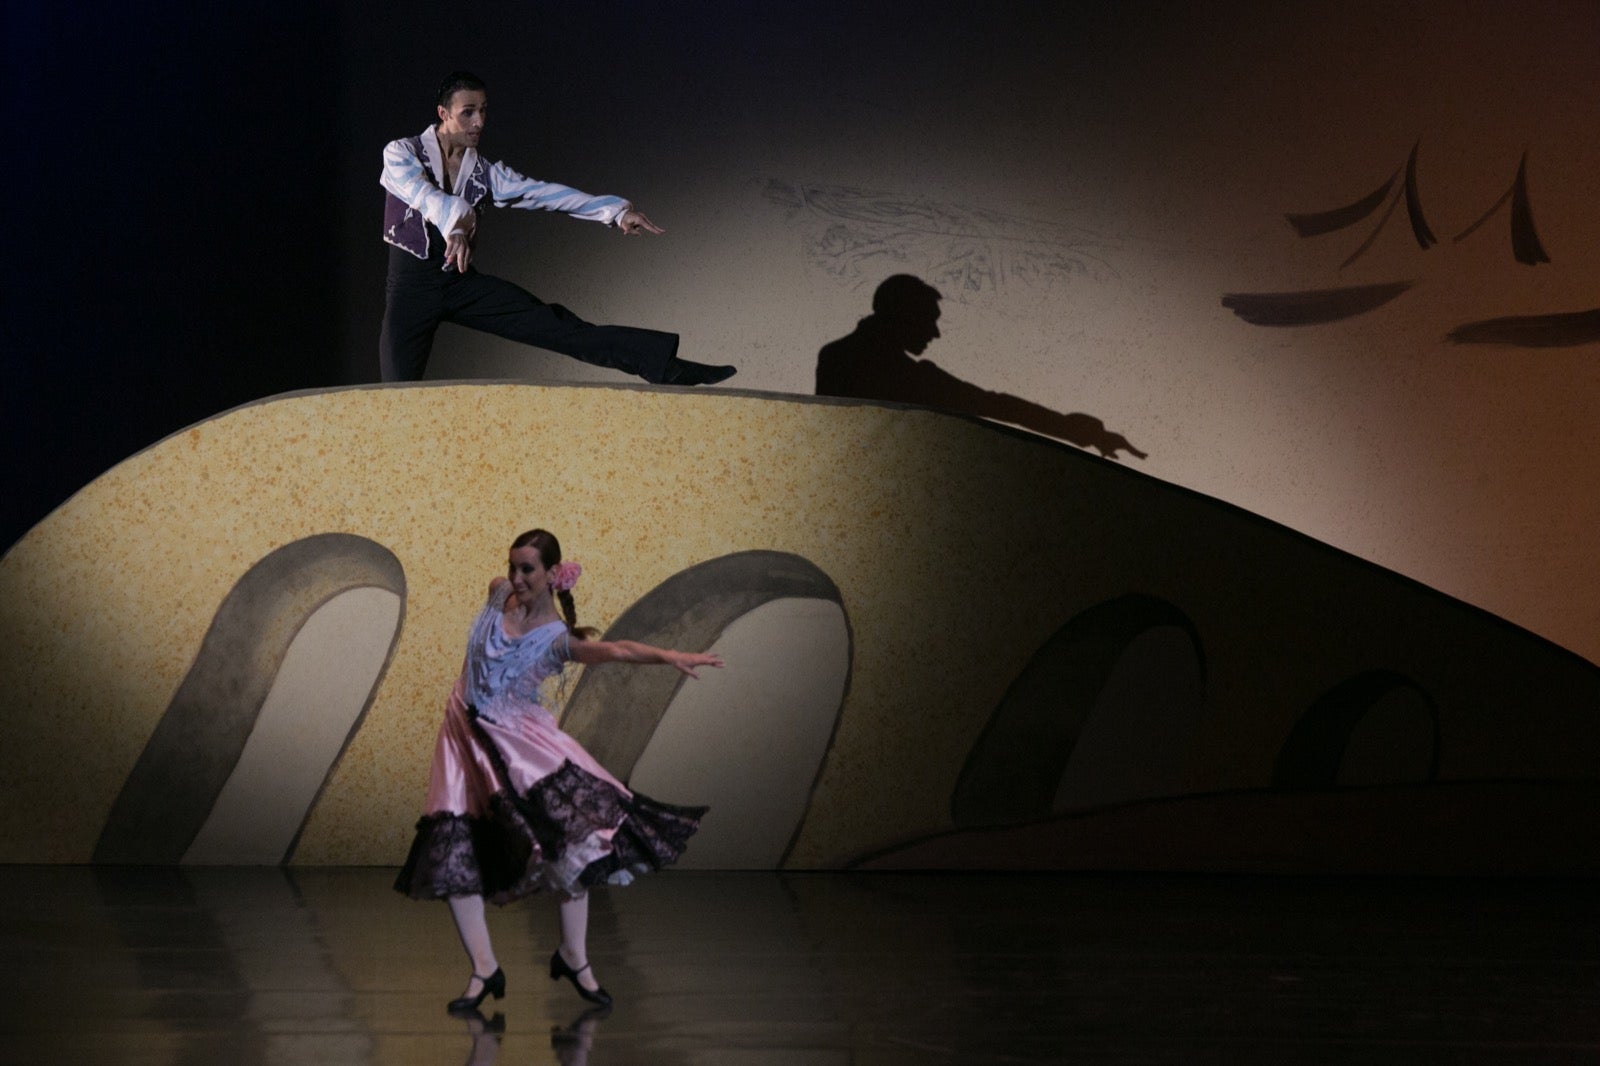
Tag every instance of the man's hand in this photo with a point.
(458, 246)
(631, 222)
(458, 252)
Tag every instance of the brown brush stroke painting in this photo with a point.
(1316, 223)
(1525, 244)
(1372, 237)
(1319, 222)
(1562, 330)
(1313, 306)
(1419, 225)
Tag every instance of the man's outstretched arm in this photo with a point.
(511, 189)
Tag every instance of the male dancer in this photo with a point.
(435, 186)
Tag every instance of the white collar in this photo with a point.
(434, 155)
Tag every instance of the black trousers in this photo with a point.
(421, 295)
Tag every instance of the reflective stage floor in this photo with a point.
(260, 965)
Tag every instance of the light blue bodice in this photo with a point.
(504, 673)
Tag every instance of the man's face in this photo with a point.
(462, 122)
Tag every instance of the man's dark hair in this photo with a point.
(456, 81)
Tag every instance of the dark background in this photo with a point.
(168, 165)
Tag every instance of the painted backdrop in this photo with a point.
(949, 646)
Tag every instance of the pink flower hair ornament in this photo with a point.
(563, 576)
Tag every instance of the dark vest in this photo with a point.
(404, 227)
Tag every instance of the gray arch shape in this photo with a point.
(1014, 768)
(687, 611)
(173, 786)
(1314, 750)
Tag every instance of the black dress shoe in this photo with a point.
(688, 372)
(493, 985)
(560, 969)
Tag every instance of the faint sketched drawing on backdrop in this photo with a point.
(860, 236)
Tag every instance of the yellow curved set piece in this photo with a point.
(235, 645)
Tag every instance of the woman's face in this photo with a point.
(462, 122)
(529, 579)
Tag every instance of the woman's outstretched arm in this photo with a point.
(594, 652)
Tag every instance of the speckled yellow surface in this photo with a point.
(959, 549)
(109, 597)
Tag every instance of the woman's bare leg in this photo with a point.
(574, 938)
(473, 929)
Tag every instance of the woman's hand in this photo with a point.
(687, 662)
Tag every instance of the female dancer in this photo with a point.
(515, 805)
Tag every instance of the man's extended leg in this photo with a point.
(410, 318)
(493, 305)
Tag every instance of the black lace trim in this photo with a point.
(546, 838)
(653, 835)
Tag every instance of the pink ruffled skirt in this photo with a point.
(516, 806)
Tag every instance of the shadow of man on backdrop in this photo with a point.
(877, 362)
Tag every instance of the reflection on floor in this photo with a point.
(261, 965)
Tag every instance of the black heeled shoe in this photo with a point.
(560, 969)
(493, 985)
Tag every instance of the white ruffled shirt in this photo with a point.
(406, 177)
